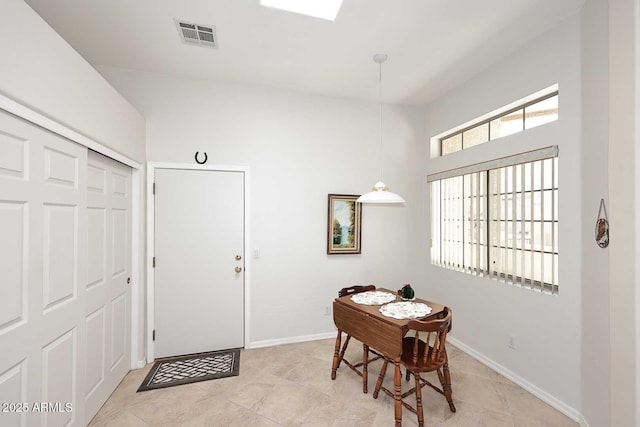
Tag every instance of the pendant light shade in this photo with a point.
(380, 192)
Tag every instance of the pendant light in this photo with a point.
(380, 192)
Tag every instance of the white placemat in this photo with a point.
(373, 297)
(405, 310)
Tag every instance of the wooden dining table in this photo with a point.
(384, 334)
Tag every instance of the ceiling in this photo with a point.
(433, 45)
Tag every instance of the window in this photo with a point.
(526, 115)
(499, 219)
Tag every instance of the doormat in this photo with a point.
(192, 369)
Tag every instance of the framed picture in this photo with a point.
(343, 224)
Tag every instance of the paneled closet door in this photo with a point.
(108, 298)
(42, 275)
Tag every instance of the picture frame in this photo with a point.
(344, 219)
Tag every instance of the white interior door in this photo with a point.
(65, 258)
(108, 299)
(42, 275)
(199, 234)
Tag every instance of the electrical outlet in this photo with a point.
(512, 341)
(327, 311)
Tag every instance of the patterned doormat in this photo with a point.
(192, 369)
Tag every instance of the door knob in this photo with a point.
(238, 269)
(238, 257)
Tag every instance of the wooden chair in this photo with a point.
(420, 356)
(365, 348)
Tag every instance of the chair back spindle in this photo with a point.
(431, 351)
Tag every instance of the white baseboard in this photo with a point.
(531, 388)
(583, 422)
(138, 364)
(291, 340)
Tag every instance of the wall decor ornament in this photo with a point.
(343, 224)
(602, 226)
(205, 158)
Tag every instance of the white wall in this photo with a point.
(623, 54)
(547, 327)
(595, 186)
(40, 70)
(299, 148)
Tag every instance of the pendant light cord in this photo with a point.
(380, 121)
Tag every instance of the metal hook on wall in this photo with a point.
(205, 158)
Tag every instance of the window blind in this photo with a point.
(499, 219)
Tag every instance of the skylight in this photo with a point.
(323, 9)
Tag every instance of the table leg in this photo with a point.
(336, 355)
(383, 371)
(365, 368)
(397, 387)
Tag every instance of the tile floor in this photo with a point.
(290, 385)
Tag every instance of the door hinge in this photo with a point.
(154, 262)
(154, 188)
(153, 336)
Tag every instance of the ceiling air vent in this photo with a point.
(200, 35)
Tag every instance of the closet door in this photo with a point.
(42, 274)
(65, 261)
(108, 295)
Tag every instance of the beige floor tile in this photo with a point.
(289, 404)
(218, 412)
(290, 385)
(482, 419)
(534, 411)
(483, 392)
(464, 364)
(123, 419)
(251, 395)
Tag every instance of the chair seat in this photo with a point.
(407, 357)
